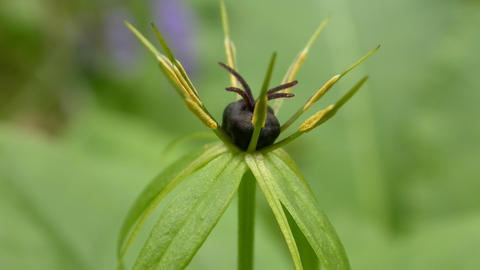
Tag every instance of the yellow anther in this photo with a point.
(206, 119)
(321, 92)
(316, 119)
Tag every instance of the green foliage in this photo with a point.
(294, 192)
(80, 134)
(188, 219)
(160, 187)
(185, 223)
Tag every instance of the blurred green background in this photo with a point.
(85, 115)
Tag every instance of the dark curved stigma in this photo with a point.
(247, 93)
(272, 93)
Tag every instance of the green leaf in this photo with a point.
(173, 60)
(307, 254)
(295, 194)
(298, 62)
(189, 218)
(266, 181)
(160, 187)
(261, 106)
(145, 41)
(359, 61)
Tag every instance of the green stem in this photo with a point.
(246, 221)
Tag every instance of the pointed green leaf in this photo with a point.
(307, 254)
(347, 96)
(158, 189)
(266, 181)
(145, 41)
(298, 62)
(261, 106)
(189, 218)
(164, 45)
(297, 197)
(302, 55)
(165, 64)
(174, 61)
(360, 61)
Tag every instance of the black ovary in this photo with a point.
(237, 122)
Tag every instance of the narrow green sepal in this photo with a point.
(360, 61)
(164, 44)
(298, 62)
(172, 58)
(261, 106)
(145, 41)
(349, 95)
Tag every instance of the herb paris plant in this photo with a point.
(215, 173)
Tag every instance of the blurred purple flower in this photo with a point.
(176, 22)
(120, 42)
